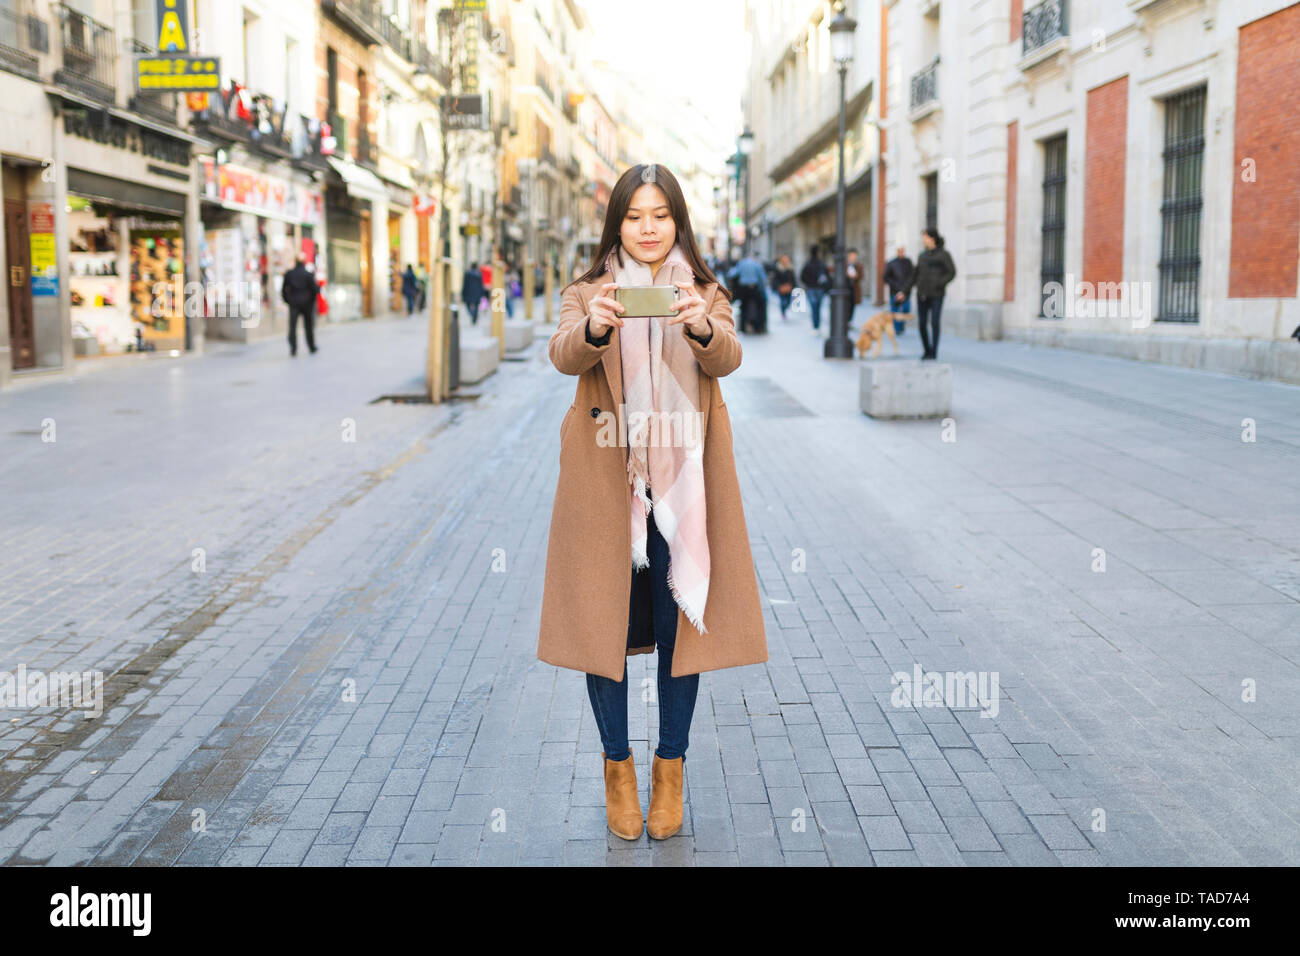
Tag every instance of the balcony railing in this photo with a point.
(23, 36)
(88, 54)
(397, 37)
(1044, 23)
(339, 130)
(573, 167)
(362, 18)
(925, 86)
(426, 62)
(157, 106)
(262, 126)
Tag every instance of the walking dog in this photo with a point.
(875, 330)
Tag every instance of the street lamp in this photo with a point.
(745, 146)
(838, 344)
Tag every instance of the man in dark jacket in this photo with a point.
(898, 276)
(471, 291)
(816, 281)
(299, 290)
(934, 270)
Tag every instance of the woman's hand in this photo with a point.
(602, 311)
(689, 309)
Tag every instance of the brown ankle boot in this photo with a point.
(622, 803)
(665, 817)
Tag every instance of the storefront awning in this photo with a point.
(361, 182)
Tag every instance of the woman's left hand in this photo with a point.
(689, 309)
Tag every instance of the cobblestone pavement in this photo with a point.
(346, 673)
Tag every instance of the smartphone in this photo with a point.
(646, 300)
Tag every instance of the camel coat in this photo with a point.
(592, 617)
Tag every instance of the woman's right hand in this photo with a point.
(603, 311)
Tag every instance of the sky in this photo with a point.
(697, 48)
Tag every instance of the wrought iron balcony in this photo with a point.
(23, 36)
(1044, 23)
(88, 55)
(263, 127)
(925, 86)
(398, 37)
(427, 63)
(155, 106)
(362, 18)
(339, 130)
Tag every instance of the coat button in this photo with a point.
(595, 412)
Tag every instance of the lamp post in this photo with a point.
(838, 344)
(745, 146)
(717, 214)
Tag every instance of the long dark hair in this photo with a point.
(656, 174)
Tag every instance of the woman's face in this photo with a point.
(927, 240)
(648, 231)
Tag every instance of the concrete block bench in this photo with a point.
(519, 334)
(905, 389)
(479, 357)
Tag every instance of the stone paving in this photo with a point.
(345, 673)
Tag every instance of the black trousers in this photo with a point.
(927, 320)
(308, 313)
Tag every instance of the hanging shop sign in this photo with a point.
(464, 111)
(44, 265)
(425, 205)
(174, 67)
(469, 40)
(167, 72)
(250, 191)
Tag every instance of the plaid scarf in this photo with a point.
(665, 462)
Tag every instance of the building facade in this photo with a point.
(1113, 175)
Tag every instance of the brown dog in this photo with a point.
(875, 330)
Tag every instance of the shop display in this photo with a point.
(157, 255)
(97, 288)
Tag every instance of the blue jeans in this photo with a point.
(815, 306)
(676, 694)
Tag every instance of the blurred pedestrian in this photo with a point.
(751, 283)
(422, 280)
(854, 268)
(471, 291)
(299, 290)
(783, 283)
(410, 288)
(934, 270)
(898, 276)
(514, 289)
(816, 281)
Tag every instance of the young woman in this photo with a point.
(934, 270)
(648, 547)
